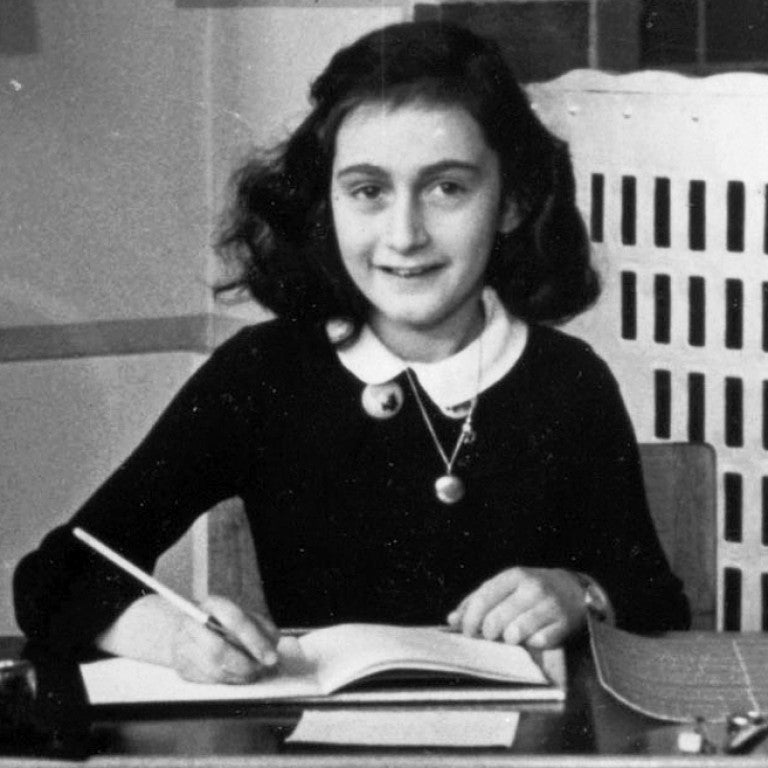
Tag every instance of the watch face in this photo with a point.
(594, 597)
(591, 599)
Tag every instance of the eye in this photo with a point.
(447, 191)
(450, 188)
(368, 192)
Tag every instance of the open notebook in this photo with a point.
(353, 663)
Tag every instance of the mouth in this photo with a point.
(411, 272)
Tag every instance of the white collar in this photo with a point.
(452, 381)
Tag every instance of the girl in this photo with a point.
(413, 441)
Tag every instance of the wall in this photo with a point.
(542, 39)
(120, 123)
(97, 177)
(103, 217)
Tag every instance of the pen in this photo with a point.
(185, 606)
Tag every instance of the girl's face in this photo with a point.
(417, 202)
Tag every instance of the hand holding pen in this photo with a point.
(215, 641)
(242, 653)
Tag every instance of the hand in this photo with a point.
(538, 607)
(200, 655)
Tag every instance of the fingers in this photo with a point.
(455, 618)
(257, 634)
(517, 617)
(202, 655)
(536, 606)
(539, 627)
(550, 636)
(470, 614)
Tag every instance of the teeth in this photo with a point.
(408, 271)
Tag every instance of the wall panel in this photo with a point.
(66, 425)
(682, 318)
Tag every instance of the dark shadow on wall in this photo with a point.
(19, 28)
(542, 40)
(539, 40)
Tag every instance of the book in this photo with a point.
(352, 663)
(680, 676)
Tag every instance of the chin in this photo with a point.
(414, 318)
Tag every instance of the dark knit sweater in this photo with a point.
(342, 506)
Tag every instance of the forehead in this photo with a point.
(409, 136)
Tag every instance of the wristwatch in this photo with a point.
(595, 598)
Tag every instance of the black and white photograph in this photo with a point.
(383, 383)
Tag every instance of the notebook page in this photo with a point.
(407, 727)
(126, 681)
(346, 652)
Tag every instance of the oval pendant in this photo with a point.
(339, 330)
(382, 401)
(449, 489)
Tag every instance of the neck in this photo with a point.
(428, 345)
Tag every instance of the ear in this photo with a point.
(509, 217)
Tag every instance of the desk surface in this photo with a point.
(590, 728)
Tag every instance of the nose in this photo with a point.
(406, 230)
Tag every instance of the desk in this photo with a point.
(590, 729)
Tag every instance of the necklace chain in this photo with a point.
(467, 431)
(466, 427)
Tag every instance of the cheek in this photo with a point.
(488, 225)
(354, 235)
(472, 234)
(341, 228)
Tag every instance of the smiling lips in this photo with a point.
(410, 271)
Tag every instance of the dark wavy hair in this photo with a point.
(277, 238)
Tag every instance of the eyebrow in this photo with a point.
(368, 169)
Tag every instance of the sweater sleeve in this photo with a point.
(615, 540)
(64, 594)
